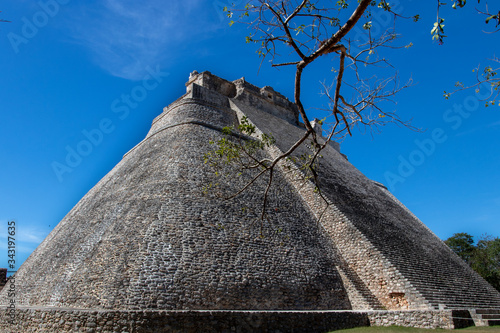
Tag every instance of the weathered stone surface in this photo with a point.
(147, 237)
(150, 240)
(160, 321)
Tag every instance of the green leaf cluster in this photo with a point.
(438, 30)
(342, 4)
(384, 5)
(494, 17)
(239, 146)
(489, 73)
(367, 25)
(459, 3)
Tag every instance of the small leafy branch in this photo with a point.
(438, 29)
(241, 150)
(298, 33)
(313, 29)
(487, 77)
(310, 30)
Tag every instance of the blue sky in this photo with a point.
(69, 69)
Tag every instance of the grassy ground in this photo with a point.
(487, 329)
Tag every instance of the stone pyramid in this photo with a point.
(152, 247)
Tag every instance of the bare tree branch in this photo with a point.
(318, 31)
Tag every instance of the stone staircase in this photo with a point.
(486, 317)
(467, 293)
(452, 286)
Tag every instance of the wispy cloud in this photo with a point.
(494, 124)
(23, 233)
(126, 36)
(26, 239)
(468, 132)
(475, 129)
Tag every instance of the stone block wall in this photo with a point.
(30, 320)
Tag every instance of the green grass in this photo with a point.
(487, 329)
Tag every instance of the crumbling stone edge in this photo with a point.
(131, 321)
